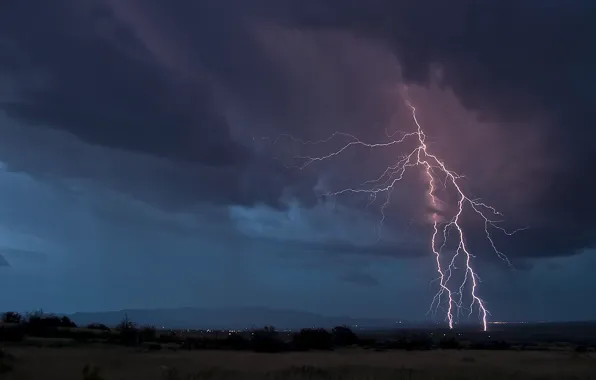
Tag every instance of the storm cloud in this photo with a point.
(159, 119)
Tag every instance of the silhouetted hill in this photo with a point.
(237, 318)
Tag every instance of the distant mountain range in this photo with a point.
(232, 318)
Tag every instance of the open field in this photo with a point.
(44, 346)
(351, 363)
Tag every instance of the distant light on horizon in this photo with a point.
(506, 323)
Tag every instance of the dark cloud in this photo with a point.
(513, 63)
(108, 98)
(3, 262)
(113, 87)
(406, 249)
(188, 86)
(20, 257)
(360, 279)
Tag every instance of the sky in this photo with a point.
(140, 165)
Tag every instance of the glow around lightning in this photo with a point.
(450, 295)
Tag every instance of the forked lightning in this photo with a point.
(450, 295)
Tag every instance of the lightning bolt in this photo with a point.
(449, 296)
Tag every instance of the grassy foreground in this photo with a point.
(120, 363)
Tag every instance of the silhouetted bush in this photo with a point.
(12, 317)
(98, 326)
(236, 342)
(313, 339)
(42, 325)
(148, 334)
(266, 340)
(67, 322)
(129, 333)
(344, 336)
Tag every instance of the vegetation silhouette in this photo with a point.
(313, 339)
(16, 328)
(266, 340)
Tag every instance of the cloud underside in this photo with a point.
(161, 104)
(3, 262)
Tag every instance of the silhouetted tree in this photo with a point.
(266, 340)
(129, 333)
(148, 334)
(344, 336)
(126, 323)
(34, 314)
(45, 325)
(236, 342)
(12, 317)
(313, 339)
(67, 322)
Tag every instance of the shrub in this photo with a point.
(266, 340)
(67, 322)
(148, 334)
(98, 326)
(236, 342)
(12, 317)
(129, 333)
(344, 336)
(42, 325)
(313, 339)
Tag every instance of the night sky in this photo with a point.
(138, 170)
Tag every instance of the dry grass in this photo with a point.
(118, 363)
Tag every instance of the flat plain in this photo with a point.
(121, 363)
